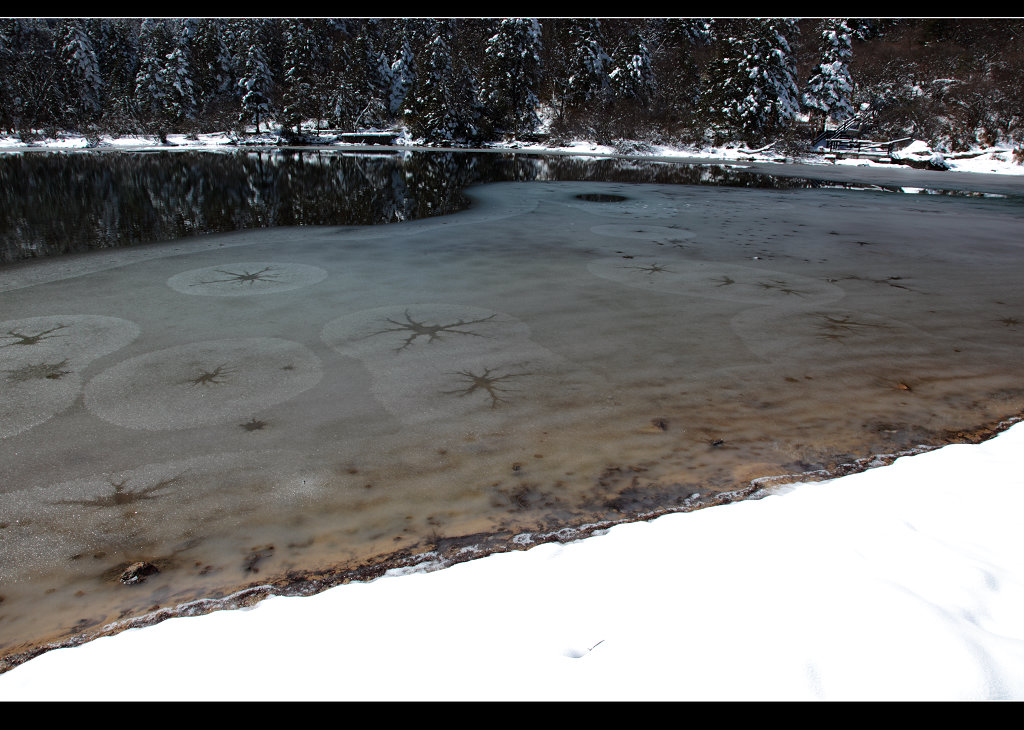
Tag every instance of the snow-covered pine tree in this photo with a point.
(467, 118)
(512, 75)
(255, 80)
(116, 41)
(378, 67)
(403, 75)
(633, 76)
(327, 39)
(754, 89)
(587, 65)
(177, 75)
(373, 75)
(83, 80)
(214, 84)
(342, 97)
(686, 31)
(680, 49)
(345, 99)
(155, 43)
(420, 34)
(830, 87)
(443, 105)
(300, 58)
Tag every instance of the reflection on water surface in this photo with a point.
(297, 404)
(56, 203)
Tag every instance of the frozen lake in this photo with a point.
(301, 404)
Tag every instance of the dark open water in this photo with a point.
(54, 203)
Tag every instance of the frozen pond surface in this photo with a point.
(289, 405)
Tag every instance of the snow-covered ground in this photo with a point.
(905, 582)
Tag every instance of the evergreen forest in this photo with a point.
(955, 83)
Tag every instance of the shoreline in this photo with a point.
(996, 160)
(450, 551)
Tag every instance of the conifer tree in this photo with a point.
(587, 68)
(633, 75)
(829, 89)
(83, 81)
(300, 59)
(754, 89)
(116, 41)
(35, 75)
(343, 98)
(682, 47)
(211, 49)
(512, 75)
(215, 84)
(444, 107)
(467, 118)
(177, 75)
(375, 58)
(155, 44)
(687, 31)
(256, 80)
(403, 76)
(370, 74)
(322, 43)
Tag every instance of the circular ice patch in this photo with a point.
(41, 359)
(418, 331)
(444, 362)
(246, 278)
(202, 383)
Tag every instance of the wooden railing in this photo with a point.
(867, 146)
(829, 134)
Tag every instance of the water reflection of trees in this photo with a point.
(65, 203)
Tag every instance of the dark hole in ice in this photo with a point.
(602, 197)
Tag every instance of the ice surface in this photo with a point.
(308, 400)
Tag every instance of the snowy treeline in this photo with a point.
(469, 80)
